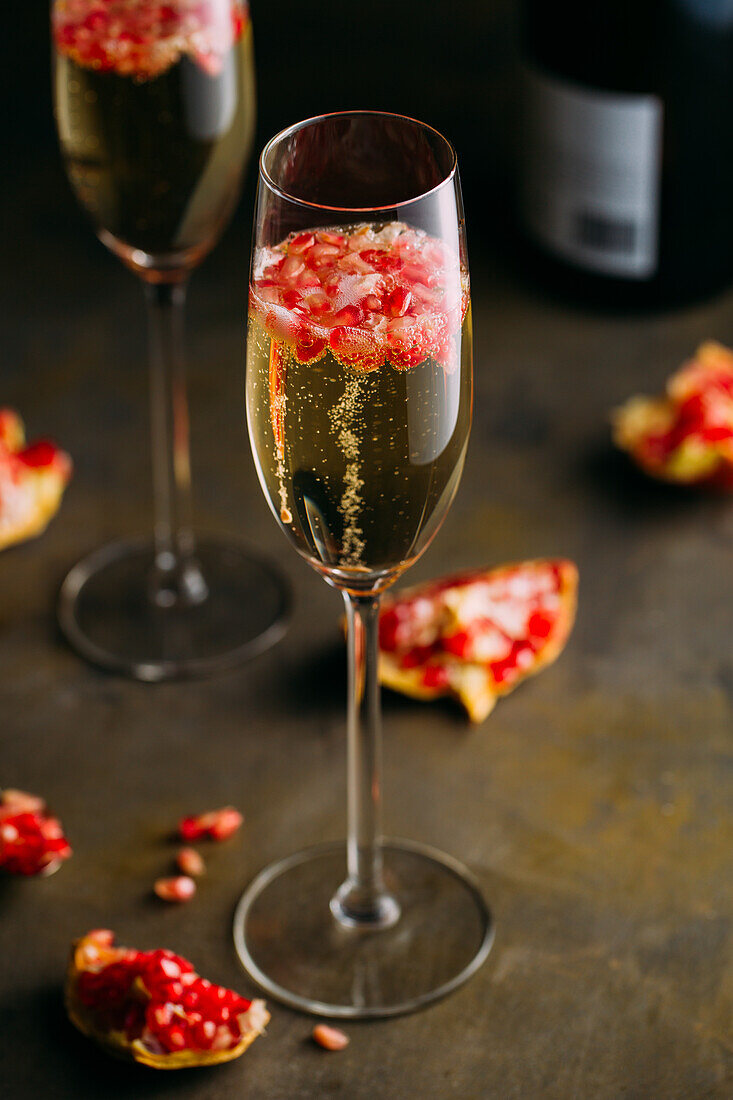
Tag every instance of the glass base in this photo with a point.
(108, 616)
(293, 947)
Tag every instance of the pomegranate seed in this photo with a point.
(332, 238)
(181, 888)
(321, 254)
(399, 301)
(190, 862)
(317, 301)
(8, 833)
(291, 298)
(300, 243)
(349, 316)
(371, 302)
(226, 824)
(292, 267)
(308, 279)
(330, 1038)
(216, 824)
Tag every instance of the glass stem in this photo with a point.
(362, 901)
(176, 579)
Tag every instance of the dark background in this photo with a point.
(449, 64)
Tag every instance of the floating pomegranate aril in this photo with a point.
(144, 39)
(362, 282)
(31, 842)
(152, 1007)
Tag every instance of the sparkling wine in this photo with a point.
(156, 110)
(359, 392)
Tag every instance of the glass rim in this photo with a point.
(296, 126)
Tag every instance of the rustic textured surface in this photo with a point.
(594, 804)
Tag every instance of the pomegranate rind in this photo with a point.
(686, 435)
(474, 683)
(32, 481)
(96, 950)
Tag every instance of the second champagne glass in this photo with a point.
(155, 106)
(359, 394)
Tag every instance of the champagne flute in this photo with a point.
(359, 395)
(155, 106)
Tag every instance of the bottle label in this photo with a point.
(590, 179)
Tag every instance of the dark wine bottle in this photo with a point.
(626, 158)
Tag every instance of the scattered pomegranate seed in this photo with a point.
(226, 823)
(190, 862)
(214, 825)
(181, 888)
(330, 1038)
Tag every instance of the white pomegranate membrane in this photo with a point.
(146, 37)
(368, 294)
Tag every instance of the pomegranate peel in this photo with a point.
(32, 481)
(476, 636)
(686, 435)
(151, 1007)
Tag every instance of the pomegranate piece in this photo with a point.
(31, 842)
(214, 825)
(476, 636)
(180, 888)
(392, 294)
(32, 481)
(190, 863)
(143, 39)
(685, 436)
(330, 1038)
(152, 1007)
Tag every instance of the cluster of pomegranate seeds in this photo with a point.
(31, 842)
(686, 435)
(499, 620)
(369, 295)
(145, 38)
(158, 998)
(213, 825)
